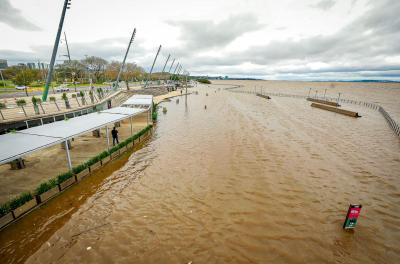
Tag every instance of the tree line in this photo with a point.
(95, 68)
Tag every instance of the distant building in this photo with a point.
(3, 64)
(31, 65)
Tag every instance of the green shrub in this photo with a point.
(2, 105)
(79, 168)
(21, 102)
(20, 200)
(36, 101)
(52, 99)
(4, 209)
(64, 97)
(45, 186)
(63, 177)
(205, 81)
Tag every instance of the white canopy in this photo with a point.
(15, 145)
(139, 100)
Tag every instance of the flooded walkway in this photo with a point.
(246, 180)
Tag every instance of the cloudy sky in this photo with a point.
(269, 39)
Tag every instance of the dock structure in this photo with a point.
(336, 110)
(323, 102)
(263, 96)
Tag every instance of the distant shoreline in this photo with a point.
(354, 81)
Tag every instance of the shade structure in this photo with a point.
(139, 101)
(17, 144)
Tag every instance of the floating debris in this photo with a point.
(88, 248)
(177, 101)
(205, 106)
(164, 110)
(206, 94)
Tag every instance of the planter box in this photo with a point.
(82, 174)
(50, 193)
(105, 160)
(67, 183)
(95, 166)
(115, 155)
(24, 208)
(6, 219)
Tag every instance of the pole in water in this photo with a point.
(309, 91)
(338, 98)
(324, 93)
(352, 216)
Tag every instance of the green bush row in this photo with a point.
(204, 81)
(45, 186)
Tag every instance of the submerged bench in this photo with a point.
(336, 110)
(263, 96)
(322, 101)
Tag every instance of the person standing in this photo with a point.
(114, 134)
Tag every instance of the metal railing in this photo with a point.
(12, 111)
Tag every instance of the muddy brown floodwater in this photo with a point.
(246, 180)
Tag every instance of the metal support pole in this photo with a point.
(55, 48)
(108, 138)
(152, 66)
(66, 43)
(177, 65)
(169, 55)
(68, 155)
(170, 67)
(131, 126)
(126, 55)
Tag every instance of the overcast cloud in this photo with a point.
(313, 39)
(13, 17)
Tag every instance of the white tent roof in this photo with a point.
(139, 99)
(20, 143)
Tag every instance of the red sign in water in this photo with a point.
(352, 215)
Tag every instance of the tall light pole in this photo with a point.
(126, 55)
(66, 6)
(162, 74)
(152, 66)
(172, 64)
(172, 77)
(69, 60)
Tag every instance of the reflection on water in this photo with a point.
(246, 180)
